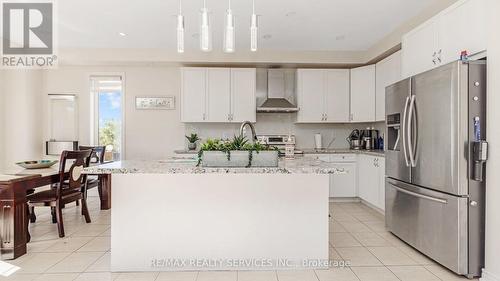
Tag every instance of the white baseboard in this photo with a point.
(344, 199)
(375, 208)
(487, 276)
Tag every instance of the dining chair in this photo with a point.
(67, 190)
(97, 157)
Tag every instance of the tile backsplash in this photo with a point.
(333, 135)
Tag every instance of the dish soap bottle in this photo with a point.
(289, 148)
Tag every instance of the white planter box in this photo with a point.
(239, 159)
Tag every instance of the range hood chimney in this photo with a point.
(277, 101)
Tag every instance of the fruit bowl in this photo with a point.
(37, 164)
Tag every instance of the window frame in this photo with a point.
(94, 109)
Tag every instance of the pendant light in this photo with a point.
(180, 30)
(229, 32)
(205, 29)
(254, 30)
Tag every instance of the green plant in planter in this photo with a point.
(239, 143)
(193, 138)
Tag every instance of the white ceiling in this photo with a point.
(295, 25)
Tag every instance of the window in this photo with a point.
(107, 115)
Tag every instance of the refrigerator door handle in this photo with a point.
(415, 194)
(409, 132)
(403, 132)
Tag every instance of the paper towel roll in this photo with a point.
(317, 141)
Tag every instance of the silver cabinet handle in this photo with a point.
(427, 197)
(409, 131)
(434, 57)
(403, 132)
(204, 116)
(326, 117)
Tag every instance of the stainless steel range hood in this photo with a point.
(280, 92)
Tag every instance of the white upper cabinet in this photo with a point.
(337, 95)
(323, 95)
(463, 27)
(419, 49)
(310, 95)
(440, 40)
(243, 104)
(194, 94)
(220, 95)
(363, 94)
(388, 72)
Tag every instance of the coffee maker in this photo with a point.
(370, 138)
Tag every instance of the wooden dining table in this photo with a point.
(14, 221)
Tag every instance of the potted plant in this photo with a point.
(237, 152)
(192, 140)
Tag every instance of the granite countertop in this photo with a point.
(380, 153)
(299, 165)
(376, 152)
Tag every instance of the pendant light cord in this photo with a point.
(253, 6)
(180, 7)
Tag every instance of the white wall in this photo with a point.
(21, 114)
(492, 268)
(149, 134)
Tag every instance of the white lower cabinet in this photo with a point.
(371, 173)
(381, 184)
(344, 185)
(341, 185)
(364, 177)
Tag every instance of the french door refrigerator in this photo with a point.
(435, 163)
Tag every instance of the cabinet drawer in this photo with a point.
(322, 157)
(351, 157)
(429, 221)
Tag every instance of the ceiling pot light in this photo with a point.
(229, 31)
(122, 34)
(254, 29)
(180, 30)
(205, 29)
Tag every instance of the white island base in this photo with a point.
(212, 221)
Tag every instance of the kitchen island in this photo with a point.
(173, 216)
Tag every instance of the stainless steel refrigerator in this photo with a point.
(435, 164)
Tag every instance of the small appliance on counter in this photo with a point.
(354, 140)
(279, 141)
(290, 148)
(370, 138)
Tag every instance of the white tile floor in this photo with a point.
(357, 236)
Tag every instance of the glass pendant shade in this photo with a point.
(180, 33)
(254, 33)
(205, 31)
(229, 33)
